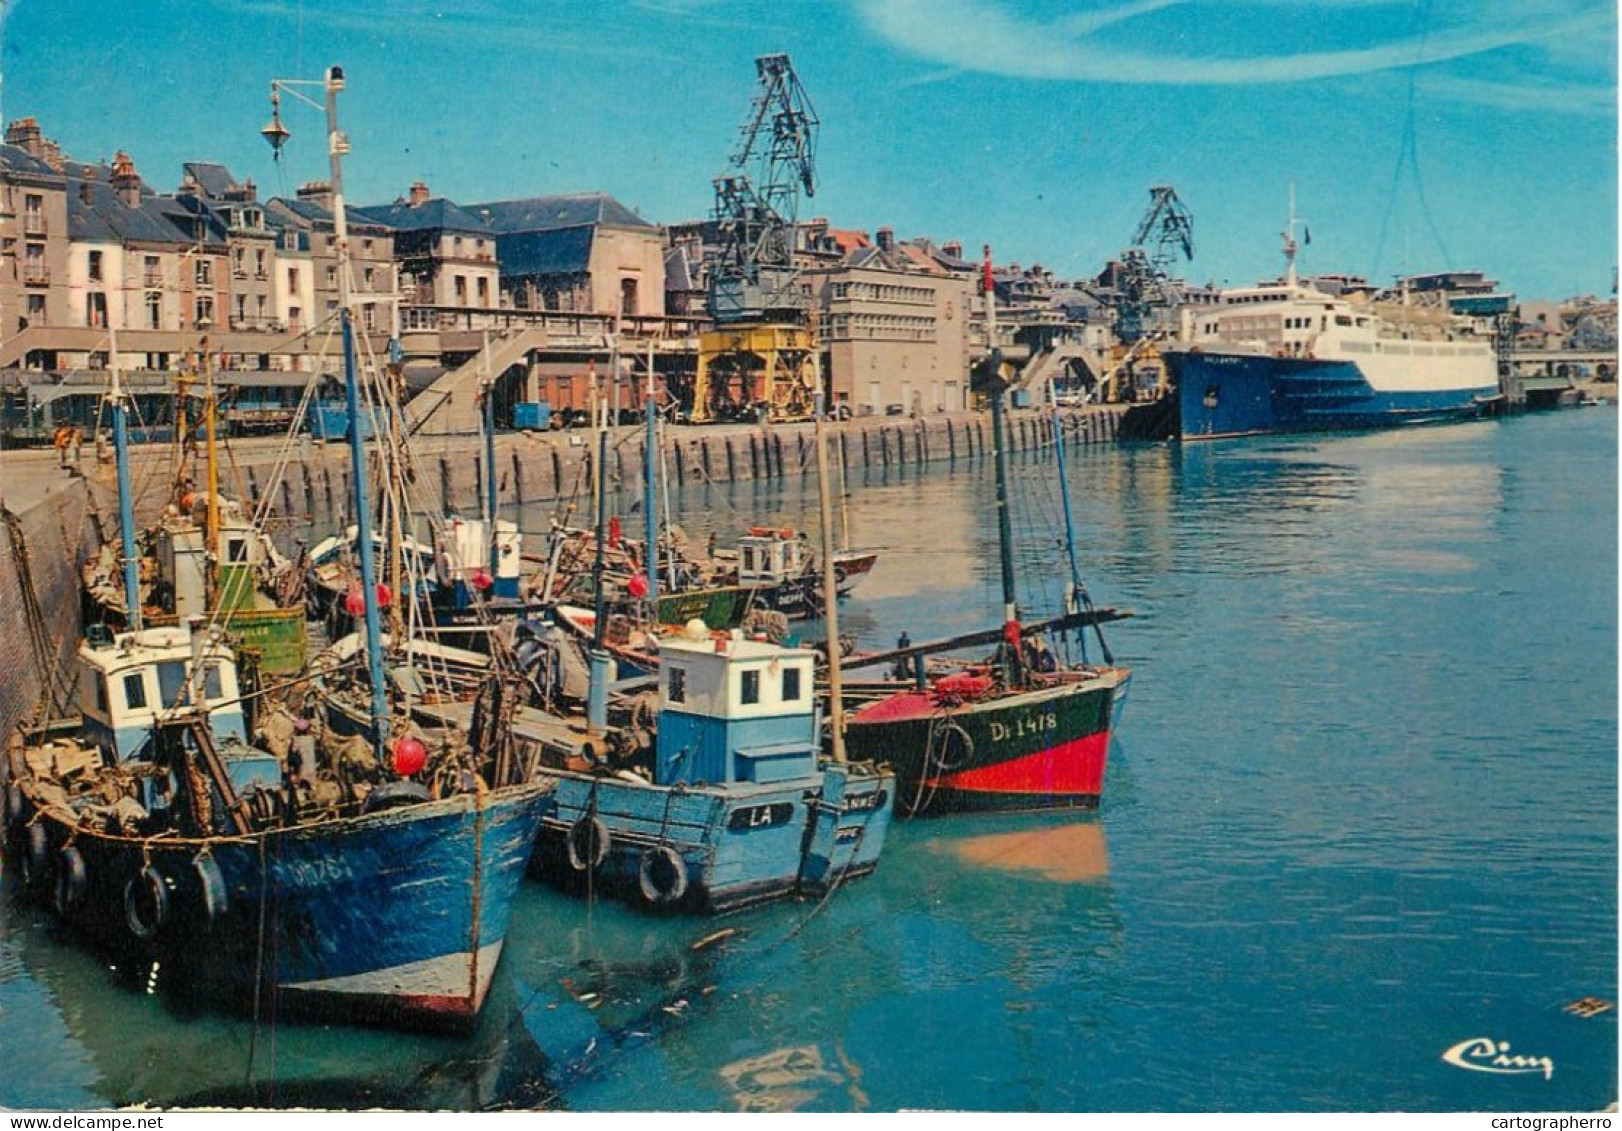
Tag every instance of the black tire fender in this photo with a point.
(662, 875)
(71, 880)
(393, 795)
(36, 856)
(14, 806)
(588, 843)
(146, 903)
(212, 896)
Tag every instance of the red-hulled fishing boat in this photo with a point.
(1020, 731)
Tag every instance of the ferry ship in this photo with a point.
(1286, 356)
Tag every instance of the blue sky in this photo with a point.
(1419, 136)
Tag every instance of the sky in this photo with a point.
(1415, 135)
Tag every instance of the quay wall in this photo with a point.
(46, 526)
(540, 467)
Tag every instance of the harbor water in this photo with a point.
(1357, 848)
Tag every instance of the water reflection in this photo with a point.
(1071, 853)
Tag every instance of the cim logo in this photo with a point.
(1483, 1054)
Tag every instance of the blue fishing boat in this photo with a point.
(374, 883)
(732, 804)
(729, 802)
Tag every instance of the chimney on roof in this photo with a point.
(419, 194)
(316, 192)
(26, 135)
(953, 249)
(886, 239)
(125, 180)
(250, 191)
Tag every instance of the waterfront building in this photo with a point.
(305, 224)
(445, 255)
(33, 239)
(585, 253)
(893, 325)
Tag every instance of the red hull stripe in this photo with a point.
(1072, 769)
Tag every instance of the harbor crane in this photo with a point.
(1143, 275)
(761, 353)
(1144, 295)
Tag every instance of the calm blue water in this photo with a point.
(1362, 808)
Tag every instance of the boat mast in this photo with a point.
(1078, 598)
(212, 478)
(830, 594)
(337, 146)
(650, 456)
(999, 451)
(126, 498)
(597, 697)
(487, 391)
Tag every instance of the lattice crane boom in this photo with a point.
(752, 276)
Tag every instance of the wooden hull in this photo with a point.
(737, 845)
(394, 917)
(1040, 748)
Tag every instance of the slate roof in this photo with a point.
(15, 160)
(437, 214)
(282, 213)
(216, 181)
(551, 213)
(106, 217)
(564, 251)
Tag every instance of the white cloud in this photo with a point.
(992, 36)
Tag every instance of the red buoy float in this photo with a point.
(410, 756)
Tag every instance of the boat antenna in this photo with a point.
(337, 145)
(116, 399)
(995, 387)
(1289, 243)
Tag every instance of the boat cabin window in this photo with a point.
(100, 685)
(213, 685)
(749, 558)
(676, 690)
(750, 691)
(236, 550)
(134, 691)
(1343, 319)
(791, 685)
(171, 682)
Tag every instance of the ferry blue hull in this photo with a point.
(740, 844)
(1222, 395)
(393, 917)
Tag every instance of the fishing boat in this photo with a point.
(1286, 356)
(207, 556)
(463, 573)
(730, 805)
(728, 802)
(376, 888)
(777, 569)
(1018, 730)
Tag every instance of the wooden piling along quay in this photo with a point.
(544, 467)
